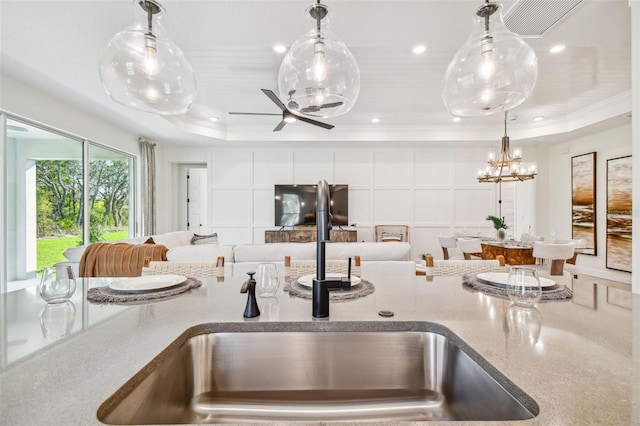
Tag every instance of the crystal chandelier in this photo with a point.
(142, 69)
(508, 167)
(494, 71)
(319, 76)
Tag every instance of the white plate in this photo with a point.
(147, 283)
(501, 278)
(307, 280)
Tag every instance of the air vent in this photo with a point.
(531, 18)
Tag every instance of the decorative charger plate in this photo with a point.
(307, 280)
(147, 283)
(501, 278)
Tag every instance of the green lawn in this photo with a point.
(50, 249)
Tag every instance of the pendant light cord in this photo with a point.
(505, 123)
(149, 19)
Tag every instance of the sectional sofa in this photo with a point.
(377, 257)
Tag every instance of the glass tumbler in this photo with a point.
(56, 288)
(267, 280)
(523, 287)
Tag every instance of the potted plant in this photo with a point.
(500, 226)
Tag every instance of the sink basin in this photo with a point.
(317, 371)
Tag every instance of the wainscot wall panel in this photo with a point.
(354, 168)
(433, 168)
(311, 166)
(231, 207)
(471, 206)
(433, 207)
(232, 169)
(272, 168)
(393, 206)
(393, 168)
(263, 208)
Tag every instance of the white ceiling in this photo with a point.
(55, 46)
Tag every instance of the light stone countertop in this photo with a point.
(581, 365)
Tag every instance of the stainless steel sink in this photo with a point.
(317, 371)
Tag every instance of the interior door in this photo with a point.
(197, 200)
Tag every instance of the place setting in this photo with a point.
(521, 285)
(135, 290)
(341, 286)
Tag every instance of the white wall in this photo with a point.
(554, 204)
(433, 189)
(23, 100)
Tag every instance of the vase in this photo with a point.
(502, 234)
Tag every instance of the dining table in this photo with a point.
(514, 252)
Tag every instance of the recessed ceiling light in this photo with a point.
(290, 119)
(419, 49)
(557, 48)
(456, 119)
(375, 120)
(280, 48)
(213, 118)
(538, 118)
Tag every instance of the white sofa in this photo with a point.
(376, 258)
(391, 258)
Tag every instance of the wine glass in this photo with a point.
(523, 287)
(56, 287)
(267, 280)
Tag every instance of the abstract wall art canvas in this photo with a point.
(583, 200)
(619, 213)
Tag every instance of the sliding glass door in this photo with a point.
(46, 174)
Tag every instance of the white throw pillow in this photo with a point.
(195, 253)
(173, 239)
(74, 254)
(204, 239)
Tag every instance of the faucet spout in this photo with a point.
(323, 223)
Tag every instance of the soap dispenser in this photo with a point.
(249, 286)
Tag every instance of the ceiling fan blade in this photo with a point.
(253, 113)
(275, 99)
(331, 104)
(279, 126)
(315, 123)
(316, 108)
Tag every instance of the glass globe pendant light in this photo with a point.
(494, 71)
(319, 76)
(142, 69)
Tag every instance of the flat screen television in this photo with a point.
(296, 205)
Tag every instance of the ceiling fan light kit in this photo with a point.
(494, 71)
(319, 76)
(142, 69)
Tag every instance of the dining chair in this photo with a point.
(298, 268)
(556, 253)
(470, 247)
(449, 242)
(580, 243)
(188, 269)
(443, 268)
(391, 233)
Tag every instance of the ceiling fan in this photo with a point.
(288, 116)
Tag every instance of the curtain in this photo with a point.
(148, 175)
